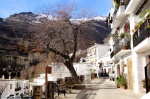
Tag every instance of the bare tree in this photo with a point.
(63, 35)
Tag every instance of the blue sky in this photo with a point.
(9, 7)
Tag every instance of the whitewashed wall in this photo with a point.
(138, 71)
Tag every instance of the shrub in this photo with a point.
(121, 80)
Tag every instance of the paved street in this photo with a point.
(101, 88)
(108, 90)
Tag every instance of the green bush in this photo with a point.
(121, 80)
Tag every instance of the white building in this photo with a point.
(106, 65)
(61, 71)
(95, 52)
(130, 41)
(13, 87)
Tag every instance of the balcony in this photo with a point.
(132, 5)
(115, 36)
(119, 49)
(141, 37)
(126, 2)
(119, 18)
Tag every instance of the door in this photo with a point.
(130, 74)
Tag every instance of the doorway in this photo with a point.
(130, 74)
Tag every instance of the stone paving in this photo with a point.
(108, 90)
(101, 88)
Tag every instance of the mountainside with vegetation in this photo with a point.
(15, 29)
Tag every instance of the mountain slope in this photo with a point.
(16, 28)
(15, 36)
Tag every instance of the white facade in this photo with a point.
(95, 52)
(41, 80)
(84, 69)
(106, 64)
(131, 61)
(61, 71)
(8, 87)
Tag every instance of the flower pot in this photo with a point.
(123, 87)
(124, 47)
(118, 86)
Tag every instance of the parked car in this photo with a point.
(112, 75)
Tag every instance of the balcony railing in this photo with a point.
(115, 37)
(112, 54)
(117, 47)
(126, 2)
(142, 33)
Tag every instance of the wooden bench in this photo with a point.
(61, 88)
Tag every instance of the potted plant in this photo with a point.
(128, 45)
(117, 80)
(138, 24)
(122, 82)
(117, 3)
(144, 84)
(122, 35)
(145, 14)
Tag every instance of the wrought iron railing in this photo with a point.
(147, 72)
(112, 54)
(141, 33)
(115, 36)
(117, 46)
(126, 2)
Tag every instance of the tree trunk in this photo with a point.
(70, 67)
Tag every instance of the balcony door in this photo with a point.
(130, 74)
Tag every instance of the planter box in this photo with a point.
(123, 87)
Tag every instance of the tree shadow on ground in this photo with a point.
(90, 91)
